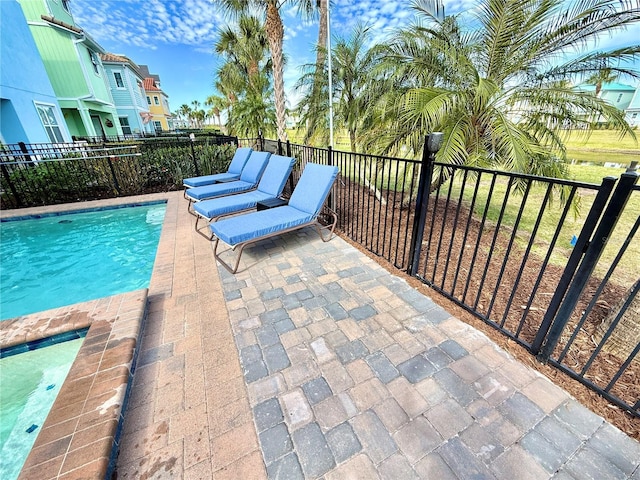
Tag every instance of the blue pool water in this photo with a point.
(30, 383)
(64, 259)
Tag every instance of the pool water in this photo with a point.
(30, 383)
(60, 260)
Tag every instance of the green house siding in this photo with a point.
(33, 9)
(72, 62)
(60, 58)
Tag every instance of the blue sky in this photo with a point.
(175, 38)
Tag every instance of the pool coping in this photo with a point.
(80, 436)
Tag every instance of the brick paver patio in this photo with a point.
(314, 362)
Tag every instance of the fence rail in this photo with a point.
(44, 174)
(552, 264)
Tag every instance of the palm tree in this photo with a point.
(602, 76)
(499, 93)
(275, 35)
(217, 104)
(354, 74)
(184, 111)
(245, 78)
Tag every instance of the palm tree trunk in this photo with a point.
(321, 53)
(275, 34)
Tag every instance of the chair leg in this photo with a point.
(190, 208)
(230, 269)
(331, 227)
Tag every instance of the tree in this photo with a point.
(603, 76)
(275, 35)
(499, 92)
(185, 112)
(218, 104)
(245, 78)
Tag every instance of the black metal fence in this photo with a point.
(45, 174)
(552, 264)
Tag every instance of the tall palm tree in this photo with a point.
(499, 92)
(184, 111)
(275, 34)
(217, 105)
(243, 46)
(245, 78)
(354, 66)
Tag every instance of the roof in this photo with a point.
(150, 84)
(606, 87)
(116, 58)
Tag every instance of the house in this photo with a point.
(617, 94)
(127, 89)
(157, 101)
(71, 59)
(633, 110)
(29, 109)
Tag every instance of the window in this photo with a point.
(619, 98)
(148, 100)
(50, 123)
(65, 5)
(124, 123)
(118, 78)
(158, 126)
(94, 61)
(155, 100)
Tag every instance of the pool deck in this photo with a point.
(315, 362)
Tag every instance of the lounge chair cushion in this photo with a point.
(209, 179)
(218, 189)
(215, 207)
(239, 229)
(270, 186)
(250, 175)
(256, 164)
(276, 174)
(313, 187)
(238, 162)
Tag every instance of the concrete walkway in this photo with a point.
(315, 362)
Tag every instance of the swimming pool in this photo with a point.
(65, 258)
(30, 383)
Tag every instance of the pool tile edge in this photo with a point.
(88, 411)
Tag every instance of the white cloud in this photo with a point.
(149, 23)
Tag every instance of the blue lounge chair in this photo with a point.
(271, 184)
(249, 179)
(304, 206)
(233, 172)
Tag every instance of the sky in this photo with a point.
(175, 38)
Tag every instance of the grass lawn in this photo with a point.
(603, 146)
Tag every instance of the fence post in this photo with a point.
(260, 141)
(600, 238)
(590, 223)
(279, 147)
(25, 151)
(432, 144)
(331, 200)
(288, 148)
(192, 139)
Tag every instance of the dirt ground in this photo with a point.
(477, 273)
